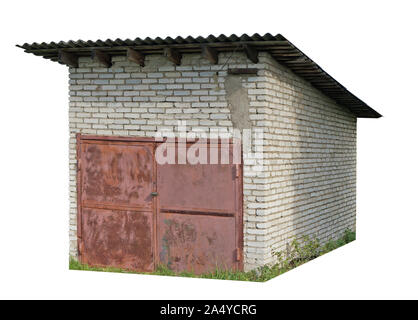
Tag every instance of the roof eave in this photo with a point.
(282, 50)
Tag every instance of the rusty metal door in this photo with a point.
(134, 213)
(116, 211)
(199, 226)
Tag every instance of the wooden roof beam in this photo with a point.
(173, 55)
(210, 54)
(135, 56)
(252, 54)
(68, 58)
(103, 58)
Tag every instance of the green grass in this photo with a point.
(296, 254)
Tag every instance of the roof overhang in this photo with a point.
(279, 47)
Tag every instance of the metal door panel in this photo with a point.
(196, 243)
(117, 174)
(116, 217)
(197, 186)
(199, 225)
(204, 186)
(119, 239)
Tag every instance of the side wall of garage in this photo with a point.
(310, 159)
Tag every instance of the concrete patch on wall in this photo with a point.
(238, 103)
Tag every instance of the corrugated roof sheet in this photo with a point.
(279, 47)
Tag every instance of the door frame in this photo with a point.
(239, 229)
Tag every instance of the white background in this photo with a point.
(368, 46)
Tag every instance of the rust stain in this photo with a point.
(117, 173)
(192, 243)
(120, 239)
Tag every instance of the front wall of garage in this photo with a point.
(127, 100)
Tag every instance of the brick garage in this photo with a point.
(304, 183)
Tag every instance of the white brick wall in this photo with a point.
(307, 185)
(310, 164)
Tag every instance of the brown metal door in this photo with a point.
(116, 220)
(199, 224)
(194, 224)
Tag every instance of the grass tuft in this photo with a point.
(296, 254)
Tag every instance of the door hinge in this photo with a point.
(235, 171)
(238, 254)
(80, 247)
